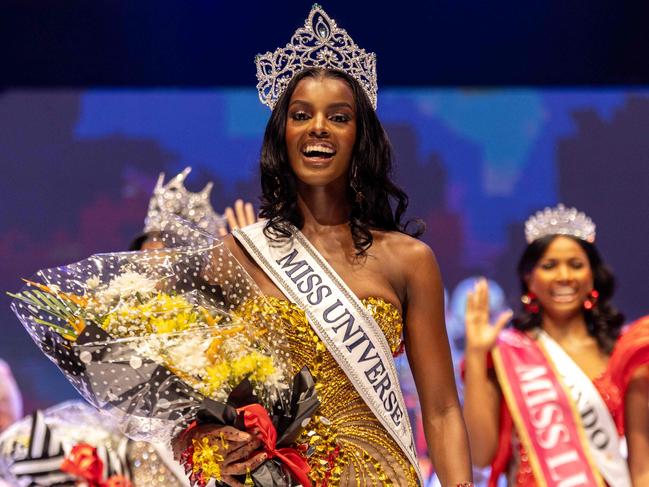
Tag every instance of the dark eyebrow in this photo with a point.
(297, 102)
(342, 104)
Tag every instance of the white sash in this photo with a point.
(597, 422)
(341, 321)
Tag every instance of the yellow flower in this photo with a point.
(209, 319)
(206, 458)
(220, 336)
(255, 366)
(160, 314)
(173, 323)
(217, 375)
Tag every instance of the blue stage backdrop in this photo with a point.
(78, 168)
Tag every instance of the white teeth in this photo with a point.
(564, 295)
(563, 292)
(319, 148)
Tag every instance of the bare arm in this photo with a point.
(481, 391)
(481, 409)
(430, 360)
(636, 418)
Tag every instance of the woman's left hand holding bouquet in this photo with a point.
(234, 452)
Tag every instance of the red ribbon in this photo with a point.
(84, 463)
(117, 481)
(256, 417)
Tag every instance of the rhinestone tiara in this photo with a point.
(559, 221)
(173, 198)
(319, 44)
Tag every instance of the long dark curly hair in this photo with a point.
(603, 321)
(383, 203)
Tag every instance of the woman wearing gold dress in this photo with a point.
(325, 170)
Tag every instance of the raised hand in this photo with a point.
(242, 215)
(480, 334)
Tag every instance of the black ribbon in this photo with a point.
(288, 424)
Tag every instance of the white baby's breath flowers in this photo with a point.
(275, 384)
(236, 346)
(149, 347)
(93, 283)
(187, 353)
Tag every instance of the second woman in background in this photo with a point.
(540, 405)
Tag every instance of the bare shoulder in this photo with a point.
(409, 263)
(408, 250)
(251, 267)
(238, 252)
(232, 245)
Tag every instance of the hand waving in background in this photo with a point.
(242, 215)
(480, 334)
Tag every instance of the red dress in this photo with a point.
(512, 459)
(631, 351)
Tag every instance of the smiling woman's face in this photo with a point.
(562, 278)
(321, 130)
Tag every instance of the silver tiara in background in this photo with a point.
(319, 44)
(559, 221)
(173, 198)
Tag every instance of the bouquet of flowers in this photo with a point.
(154, 339)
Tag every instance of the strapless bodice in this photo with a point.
(347, 445)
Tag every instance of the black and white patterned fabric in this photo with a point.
(33, 449)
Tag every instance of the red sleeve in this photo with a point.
(631, 351)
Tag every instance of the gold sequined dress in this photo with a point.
(348, 446)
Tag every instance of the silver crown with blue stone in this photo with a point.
(559, 221)
(319, 44)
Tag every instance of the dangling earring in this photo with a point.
(355, 187)
(591, 300)
(530, 302)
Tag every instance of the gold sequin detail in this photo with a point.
(347, 445)
(148, 469)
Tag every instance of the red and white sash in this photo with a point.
(565, 428)
(596, 419)
(340, 320)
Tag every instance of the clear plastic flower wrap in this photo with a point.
(150, 337)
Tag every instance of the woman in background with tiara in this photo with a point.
(540, 403)
(173, 198)
(350, 282)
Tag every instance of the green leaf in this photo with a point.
(22, 298)
(59, 329)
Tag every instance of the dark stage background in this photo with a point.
(79, 167)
